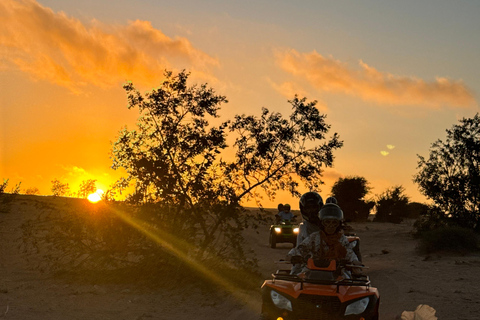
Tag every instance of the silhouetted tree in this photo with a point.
(392, 205)
(32, 191)
(173, 159)
(417, 209)
(350, 193)
(60, 189)
(86, 188)
(451, 175)
(6, 198)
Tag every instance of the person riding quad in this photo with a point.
(327, 243)
(310, 204)
(331, 200)
(286, 214)
(280, 212)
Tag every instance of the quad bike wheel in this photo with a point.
(273, 240)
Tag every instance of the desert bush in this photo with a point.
(434, 218)
(86, 188)
(392, 205)
(60, 189)
(449, 239)
(115, 241)
(6, 198)
(32, 191)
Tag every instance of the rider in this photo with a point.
(280, 212)
(331, 200)
(286, 214)
(327, 243)
(310, 204)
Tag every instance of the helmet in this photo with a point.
(330, 211)
(286, 207)
(331, 200)
(280, 207)
(310, 204)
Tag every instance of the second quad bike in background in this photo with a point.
(283, 232)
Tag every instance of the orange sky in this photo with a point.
(63, 64)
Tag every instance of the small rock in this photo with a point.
(384, 251)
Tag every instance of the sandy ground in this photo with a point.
(448, 283)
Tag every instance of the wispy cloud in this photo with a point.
(384, 153)
(390, 146)
(328, 74)
(53, 46)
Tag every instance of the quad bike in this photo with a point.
(283, 231)
(325, 292)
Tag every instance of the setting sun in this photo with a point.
(95, 197)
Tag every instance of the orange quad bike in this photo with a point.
(326, 291)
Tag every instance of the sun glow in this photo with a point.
(95, 197)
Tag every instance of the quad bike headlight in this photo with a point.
(357, 307)
(296, 230)
(278, 230)
(280, 301)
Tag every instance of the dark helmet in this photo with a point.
(286, 207)
(310, 204)
(331, 200)
(280, 207)
(331, 211)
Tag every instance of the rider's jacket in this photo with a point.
(319, 245)
(306, 228)
(285, 215)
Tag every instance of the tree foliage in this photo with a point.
(32, 191)
(176, 160)
(60, 189)
(350, 193)
(86, 188)
(392, 205)
(6, 198)
(450, 176)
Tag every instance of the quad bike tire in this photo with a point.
(273, 240)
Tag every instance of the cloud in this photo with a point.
(290, 89)
(390, 147)
(328, 74)
(384, 153)
(63, 50)
(287, 89)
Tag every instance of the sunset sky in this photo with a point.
(391, 76)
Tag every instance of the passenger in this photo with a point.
(286, 214)
(327, 243)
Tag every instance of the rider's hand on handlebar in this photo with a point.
(296, 260)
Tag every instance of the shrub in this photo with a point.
(32, 191)
(450, 239)
(433, 219)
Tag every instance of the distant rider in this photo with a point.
(279, 213)
(286, 214)
(331, 200)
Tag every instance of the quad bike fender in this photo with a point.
(344, 293)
